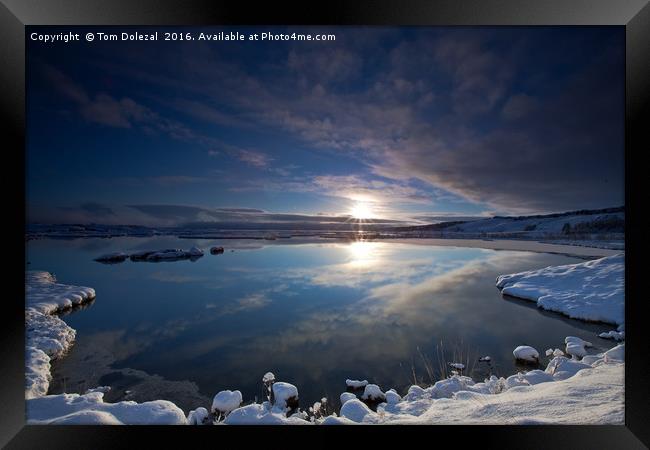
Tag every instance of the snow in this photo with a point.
(356, 384)
(90, 409)
(45, 295)
(526, 353)
(259, 414)
(268, 377)
(356, 411)
(346, 396)
(567, 392)
(392, 397)
(593, 290)
(613, 334)
(576, 346)
(282, 392)
(485, 358)
(226, 401)
(458, 366)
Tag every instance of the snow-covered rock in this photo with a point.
(195, 251)
(392, 397)
(613, 334)
(593, 290)
(526, 353)
(576, 346)
(226, 401)
(112, 257)
(356, 410)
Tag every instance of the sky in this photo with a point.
(412, 124)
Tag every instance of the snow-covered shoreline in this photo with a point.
(48, 338)
(579, 388)
(591, 291)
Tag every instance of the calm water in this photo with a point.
(314, 314)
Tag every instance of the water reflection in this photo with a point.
(315, 314)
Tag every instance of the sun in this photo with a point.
(361, 211)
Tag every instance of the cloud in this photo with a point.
(256, 159)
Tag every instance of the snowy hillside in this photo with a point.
(601, 221)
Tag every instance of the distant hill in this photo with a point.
(571, 223)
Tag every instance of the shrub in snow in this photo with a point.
(526, 353)
(198, 416)
(373, 396)
(268, 379)
(355, 385)
(285, 397)
(226, 401)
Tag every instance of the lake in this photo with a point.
(314, 314)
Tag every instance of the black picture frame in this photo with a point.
(634, 15)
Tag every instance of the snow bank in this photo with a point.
(47, 336)
(90, 409)
(45, 295)
(593, 290)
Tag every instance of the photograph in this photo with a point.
(325, 225)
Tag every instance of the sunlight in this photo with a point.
(363, 253)
(361, 211)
